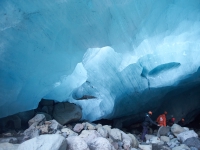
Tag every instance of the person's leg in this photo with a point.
(144, 132)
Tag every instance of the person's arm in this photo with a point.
(152, 121)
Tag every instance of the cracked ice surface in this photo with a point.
(116, 51)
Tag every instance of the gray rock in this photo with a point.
(90, 126)
(34, 133)
(115, 145)
(38, 119)
(100, 143)
(163, 131)
(145, 147)
(107, 127)
(9, 140)
(171, 136)
(67, 112)
(8, 146)
(193, 148)
(154, 140)
(44, 129)
(159, 147)
(31, 132)
(78, 127)
(164, 138)
(88, 135)
(54, 125)
(64, 134)
(148, 136)
(47, 116)
(176, 129)
(127, 141)
(181, 147)
(192, 142)
(173, 143)
(103, 132)
(98, 125)
(134, 139)
(115, 134)
(69, 132)
(185, 135)
(26, 116)
(13, 121)
(76, 143)
(45, 142)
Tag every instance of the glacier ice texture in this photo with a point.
(113, 58)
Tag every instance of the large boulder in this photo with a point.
(32, 131)
(134, 139)
(10, 122)
(187, 134)
(107, 127)
(100, 143)
(8, 146)
(176, 129)
(76, 143)
(88, 135)
(163, 131)
(115, 134)
(26, 116)
(103, 132)
(67, 112)
(45, 142)
(192, 142)
(127, 141)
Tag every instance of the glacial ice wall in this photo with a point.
(114, 58)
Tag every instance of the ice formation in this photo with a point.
(114, 58)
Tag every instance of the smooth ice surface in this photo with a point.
(114, 58)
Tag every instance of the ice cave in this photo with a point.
(116, 59)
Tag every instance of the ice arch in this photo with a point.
(120, 52)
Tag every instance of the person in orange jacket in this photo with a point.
(161, 120)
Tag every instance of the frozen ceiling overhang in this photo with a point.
(114, 58)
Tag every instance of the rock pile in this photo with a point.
(177, 138)
(51, 135)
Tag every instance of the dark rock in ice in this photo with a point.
(10, 122)
(67, 112)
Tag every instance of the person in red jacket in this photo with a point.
(161, 120)
(171, 121)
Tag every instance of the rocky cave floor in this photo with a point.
(50, 135)
(41, 132)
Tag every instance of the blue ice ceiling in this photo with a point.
(114, 58)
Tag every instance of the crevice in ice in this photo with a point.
(144, 75)
(164, 67)
(85, 97)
